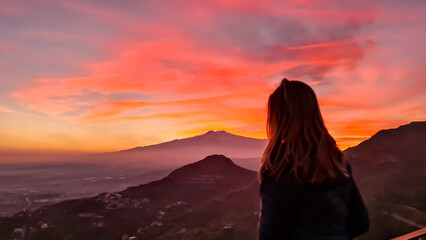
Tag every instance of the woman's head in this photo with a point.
(298, 137)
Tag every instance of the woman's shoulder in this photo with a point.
(285, 182)
(284, 175)
(288, 180)
(341, 184)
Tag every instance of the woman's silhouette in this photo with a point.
(307, 189)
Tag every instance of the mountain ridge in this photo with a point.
(201, 200)
(245, 150)
(207, 135)
(384, 139)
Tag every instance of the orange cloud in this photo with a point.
(184, 67)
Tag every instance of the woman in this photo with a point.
(307, 189)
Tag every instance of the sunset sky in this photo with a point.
(110, 75)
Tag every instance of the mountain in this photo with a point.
(209, 138)
(390, 172)
(214, 198)
(211, 165)
(145, 211)
(244, 151)
(30, 181)
(392, 141)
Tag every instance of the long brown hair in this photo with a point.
(298, 138)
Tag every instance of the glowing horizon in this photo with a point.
(105, 77)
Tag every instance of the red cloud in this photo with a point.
(214, 63)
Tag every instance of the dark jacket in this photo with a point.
(332, 211)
